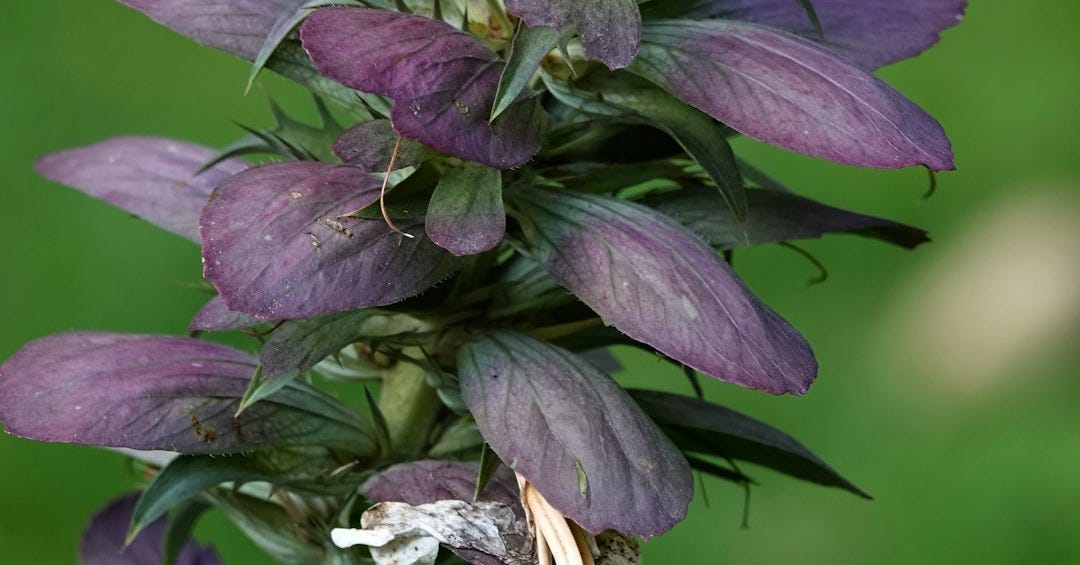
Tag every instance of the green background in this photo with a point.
(973, 456)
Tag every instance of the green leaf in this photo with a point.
(719, 471)
(808, 7)
(465, 215)
(382, 429)
(489, 464)
(624, 97)
(282, 28)
(271, 528)
(305, 470)
(699, 426)
(600, 141)
(530, 46)
(760, 178)
(459, 437)
(252, 390)
(299, 345)
(614, 178)
(326, 420)
(774, 216)
(180, 527)
(316, 140)
(290, 61)
(445, 384)
(288, 137)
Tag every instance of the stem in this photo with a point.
(382, 191)
(410, 406)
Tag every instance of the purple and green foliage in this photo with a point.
(443, 81)
(518, 183)
(279, 242)
(574, 433)
(159, 392)
(661, 285)
(788, 91)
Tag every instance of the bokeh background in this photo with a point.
(949, 376)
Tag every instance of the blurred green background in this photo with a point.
(948, 383)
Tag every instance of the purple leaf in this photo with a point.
(443, 81)
(575, 434)
(610, 30)
(465, 215)
(661, 285)
(869, 33)
(237, 26)
(370, 145)
(151, 177)
(103, 543)
(790, 92)
(773, 216)
(158, 392)
(277, 243)
(421, 482)
(215, 316)
(705, 427)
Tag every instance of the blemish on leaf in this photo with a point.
(205, 433)
(315, 243)
(239, 427)
(296, 195)
(338, 227)
(582, 478)
(689, 308)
